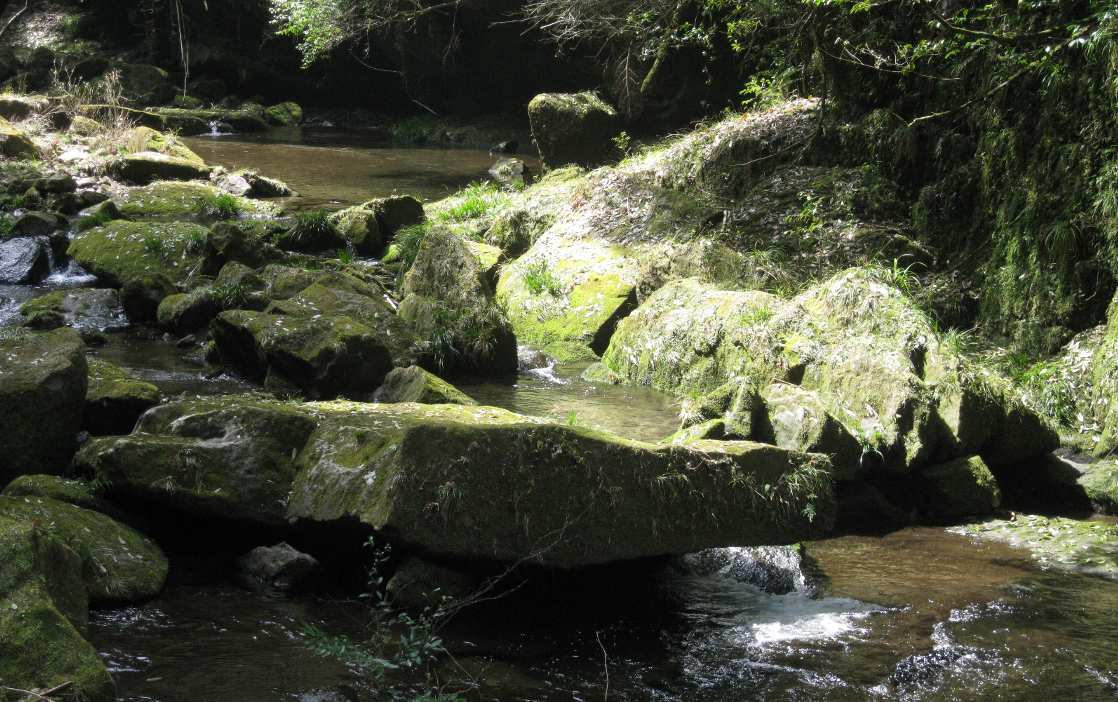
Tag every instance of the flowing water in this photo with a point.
(919, 614)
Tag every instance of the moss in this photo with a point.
(151, 258)
(1057, 542)
(573, 128)
(413, 384)
(1100, 484)
(80, 493)
(42, 612)
(166, 201)
(118, 563)
(15, 143)
(284, 114)
(321, 356)
(147, 139)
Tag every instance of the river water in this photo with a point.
(918, 614)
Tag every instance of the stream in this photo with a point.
(918, 614)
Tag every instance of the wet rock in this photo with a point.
(413, 384)
(85, 309)
(146, 167)
(246, 243)
(505, 147)
(418, 584)
(118, 563)
(1056, 542)
(229, 458)
(98, 214)
(279, 567)
(774, 569)
(14, 143)
(147, 260)
(323, 357)
(42, 390)
(448, 303)
(285, 114)
(24, 260)
(246, 118)
(964, 487)
(43, 610)
(573, 129)
(115, 401)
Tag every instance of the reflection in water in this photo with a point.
(335, 168)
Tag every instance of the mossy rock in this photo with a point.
(42, 389)
(229, 458)
(711, 429)
(43, 612)
(146, 139)
(418, 584)
(118, 563)
(566, 296)
(147, 260)
(19, 107)
(448, 303)
(245, 242)
(360, 227)
(166, 200)
(114, 401)
(1057, 542)
(247, 118)
(576, 128)
(799, 419)
(144, 167)
(1100, 484)
(961, 488)
(460, 481)
(284, 282)
(80, 493)
(323, 357)
(285, 114)
(183, 313)
(14, 143)
(413, 384)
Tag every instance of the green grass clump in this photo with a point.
(312, 225)
(539, 279)
(475, 200)
(221, 206)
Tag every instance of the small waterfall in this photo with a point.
(775, 569)
(219, 128)
(538, 364)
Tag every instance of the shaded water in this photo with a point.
(334, 168)
(921, 614)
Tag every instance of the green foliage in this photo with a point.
(407, 244)
(221, 206)
(473, 201)
(393, 641)
(156, 246)
(311, 225)
(6, 224)
(539, 279)
(230, 296)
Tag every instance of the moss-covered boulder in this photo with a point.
(173, 201)
(322, 357)
(183, 313)
(370, 226)
(114, 401)
(576, 128)
(22, 106)
(964, 487)
(450, 307)
(42, 390)
(118, 563)
(470, 482)
(285, 114)
(1100, 485)
(799, 419)
(43, 612)
(284, 282)
(246, 118)
(14, 143)
(1056, 542)
(91, 309)
(413, 384)
(145, 167)
(146, 139)
(80, 493)
(146, 260)
(245, 242)
(229, 458)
